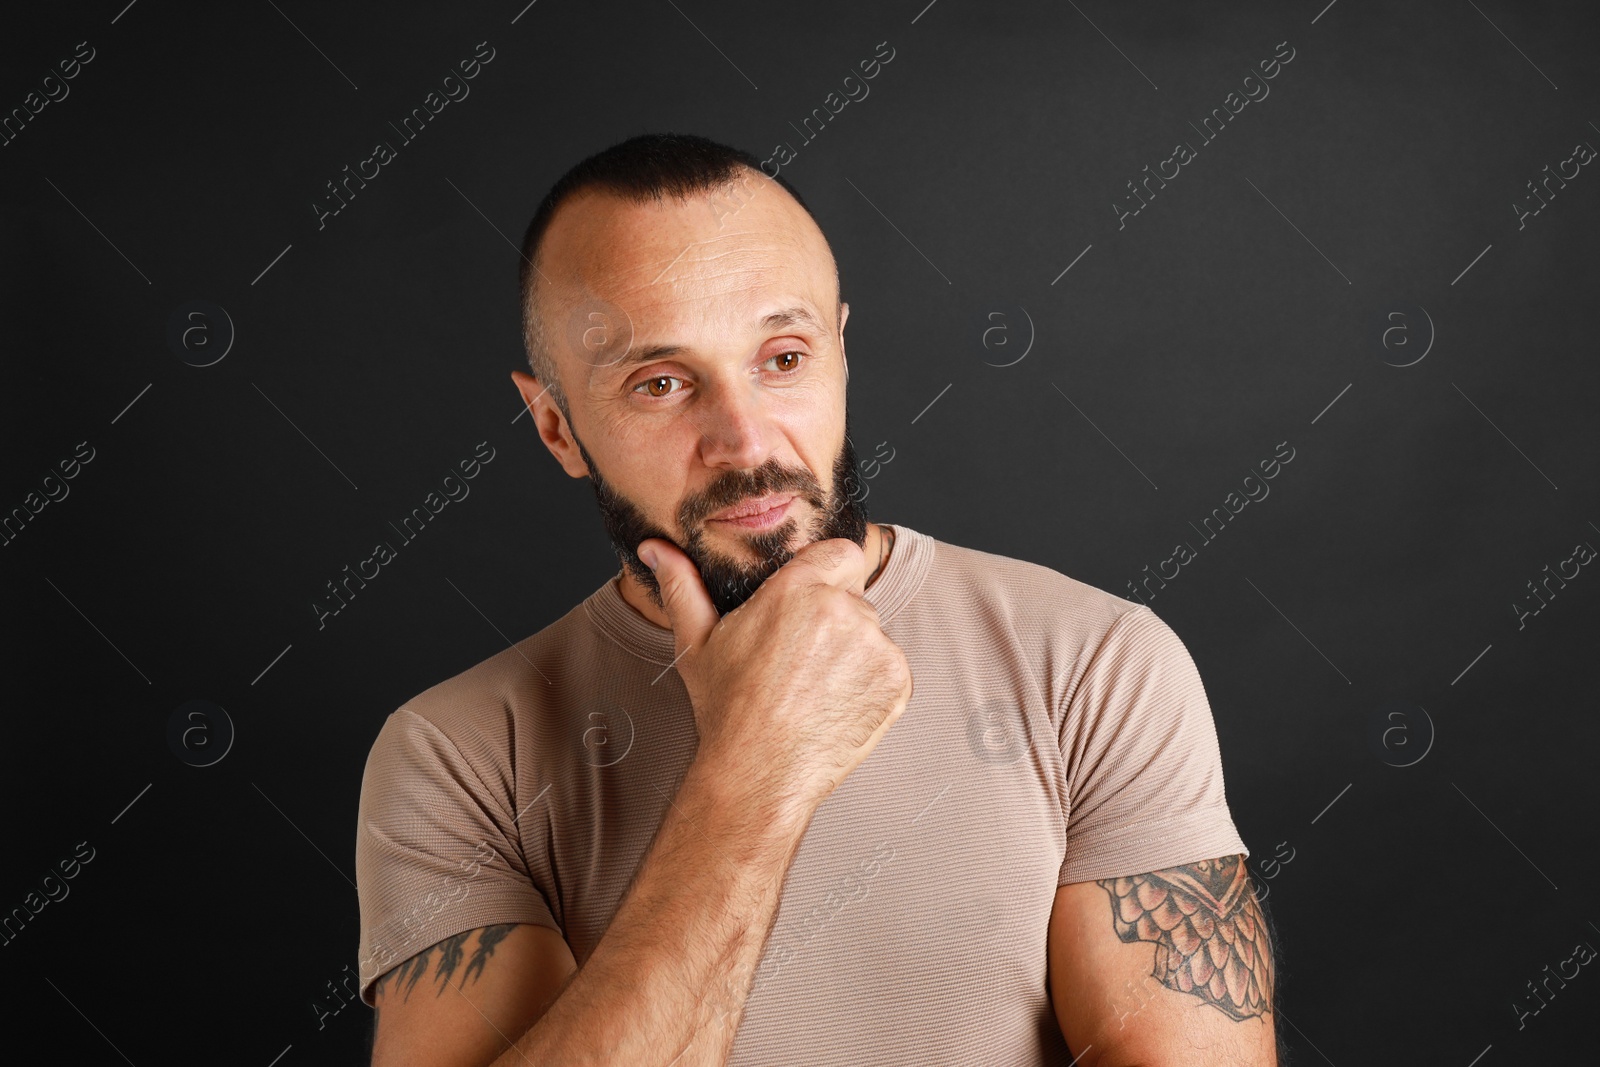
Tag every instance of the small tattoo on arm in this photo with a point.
(451, 951)
(488, 938)
(1210, 936)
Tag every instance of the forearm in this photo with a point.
(668, 980)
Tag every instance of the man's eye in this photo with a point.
(795, 359)
(799, 356)
(645, 385)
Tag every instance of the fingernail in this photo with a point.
(649, 557)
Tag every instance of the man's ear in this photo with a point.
(551, 424)
(844, 314)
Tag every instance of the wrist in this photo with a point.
(751, 811)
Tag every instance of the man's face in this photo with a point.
(704, 362)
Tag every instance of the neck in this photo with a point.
(879, 546)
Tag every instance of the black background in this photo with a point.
(1243, 307)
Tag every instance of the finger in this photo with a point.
(837, 561)
(683, 594)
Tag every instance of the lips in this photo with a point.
(755, 507)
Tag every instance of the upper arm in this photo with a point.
(1173, 966)
(441, 855)
(463, 1001)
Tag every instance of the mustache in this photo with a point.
(738, 486)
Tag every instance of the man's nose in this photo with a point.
(735, 426)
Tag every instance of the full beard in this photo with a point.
(730, 582)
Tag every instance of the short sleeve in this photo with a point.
(1144, 772)
(437, 851)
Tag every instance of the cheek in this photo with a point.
(813, 409)
(825, 427)
(649, 464)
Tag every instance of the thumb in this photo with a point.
(683, 593)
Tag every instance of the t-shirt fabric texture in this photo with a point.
(1057, 733)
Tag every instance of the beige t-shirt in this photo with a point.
(1057, 733)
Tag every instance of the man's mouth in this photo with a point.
(756, 514)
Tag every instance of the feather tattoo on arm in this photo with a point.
(1210, 936)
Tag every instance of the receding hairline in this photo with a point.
(603, 191)
(534, 287)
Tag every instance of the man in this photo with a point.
(791, 787)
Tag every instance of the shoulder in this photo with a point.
(1087, 643)
(480, 711)
(1023, 597)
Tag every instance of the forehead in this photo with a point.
(717, 261)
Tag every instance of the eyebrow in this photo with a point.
(777, 320)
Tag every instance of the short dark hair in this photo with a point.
(651, 166)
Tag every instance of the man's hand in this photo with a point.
(794, 688)
(1178, 969)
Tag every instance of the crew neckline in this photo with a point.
(909, 560)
